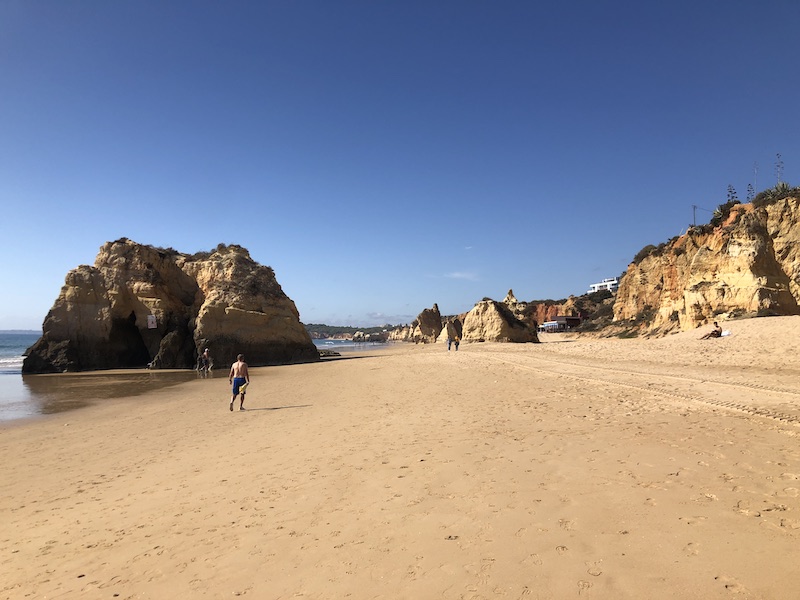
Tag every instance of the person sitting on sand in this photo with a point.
(714, 333)
(240, 379)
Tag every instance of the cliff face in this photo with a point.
(748, 265)
(425, 329)
(141, 305)
(491, 321)
(452, 328)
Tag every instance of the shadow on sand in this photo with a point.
(275, 407)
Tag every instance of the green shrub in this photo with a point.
(722, 212)
(779, 192)
(644, 253)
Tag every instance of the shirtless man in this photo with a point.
(714, 333)
(238, 377)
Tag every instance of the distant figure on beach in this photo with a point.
(204, 362)
(457, 342)
(714, 333)
(240, 379)
(449, 341)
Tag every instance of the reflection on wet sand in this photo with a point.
(67, 391)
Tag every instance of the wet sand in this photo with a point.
(30, 396)
(574, 468)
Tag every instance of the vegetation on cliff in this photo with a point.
(744, 262)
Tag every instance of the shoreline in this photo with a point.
(594, 468)
(26, 397)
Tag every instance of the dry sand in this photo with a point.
(576, 468)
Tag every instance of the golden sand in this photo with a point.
(576, 468)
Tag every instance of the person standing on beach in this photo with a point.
(204, 362)
(240, 379)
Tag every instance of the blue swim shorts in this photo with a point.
(237, 382)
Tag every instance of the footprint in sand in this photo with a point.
(743, 508)
(583, 586)
(562, 549)
(790, 524)
(533, 559)
(707, 497)
(566, 524)
(730, 584)
(692, 549)
(594, 568)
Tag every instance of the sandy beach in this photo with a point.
(575, 468)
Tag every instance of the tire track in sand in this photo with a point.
(650, 388)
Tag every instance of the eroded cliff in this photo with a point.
(747, 265)
(141, 305)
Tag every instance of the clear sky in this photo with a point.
(383, 156)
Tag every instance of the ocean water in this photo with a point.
(28, 396)
(12, 347)
(15, 400)
(348, 345)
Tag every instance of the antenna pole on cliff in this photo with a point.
(755, 176)
(694, 214)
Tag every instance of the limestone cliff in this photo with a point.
(141, 305)
(491, 321)
(452, 328)
(747, 265)
(536, 312)
(427, 326)
(402, 334)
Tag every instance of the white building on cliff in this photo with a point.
(611, 284)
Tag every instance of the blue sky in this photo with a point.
(383, 156)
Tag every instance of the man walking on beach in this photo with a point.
(240, 379)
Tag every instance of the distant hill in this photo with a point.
(20, 332)
(318, 331)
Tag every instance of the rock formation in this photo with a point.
(747, 265)
(452, 328)
(428, 325)
(141, 305)
(491, 321)
(402, 334)
(425, 328)
(378, 336)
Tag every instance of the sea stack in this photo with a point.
(143, 306)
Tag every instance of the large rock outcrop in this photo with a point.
(429, 325)
(748, 265)
(139, 305)
(491, 321)
(452, 328)
(425, 328)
